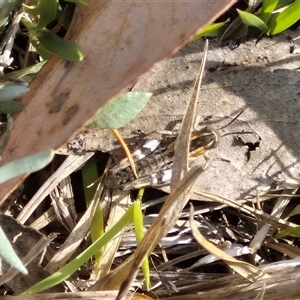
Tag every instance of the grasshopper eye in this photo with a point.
(206, 138)
(214, 140)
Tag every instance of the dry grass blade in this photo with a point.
(119, 205)
(180, 165)
(171, 210)
(126, 150)
(161, 225)
(276, 222)
(295, 211)
(63, 204)
(246, 270)
(288, 250)
(277, 211)
(76, 236)
(284, 284)
(128, 269)
(107, 295)
(71, 163)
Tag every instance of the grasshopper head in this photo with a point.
(207, 138)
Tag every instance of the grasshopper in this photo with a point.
(154, 160)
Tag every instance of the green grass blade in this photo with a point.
(89, 173)
(267, 8)
(285, 19)
(139, 234)
(97, 230)
(83, 257)
(292, 231)
(252, 20)
(212, 30)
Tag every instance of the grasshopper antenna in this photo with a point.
(236, 132)
(231, 120)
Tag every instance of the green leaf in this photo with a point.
(11, 90)
(26, 74)
(77, 1)
(30, 26)
(65, 49)
(11, 107)
(31, 9)
(252, 20)
(120, 110)
(25, 165)
(40, 49)
(47, 12)
(8, 254)
(6, 9)
(285, 19)
(212, 30)
(267, 8)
